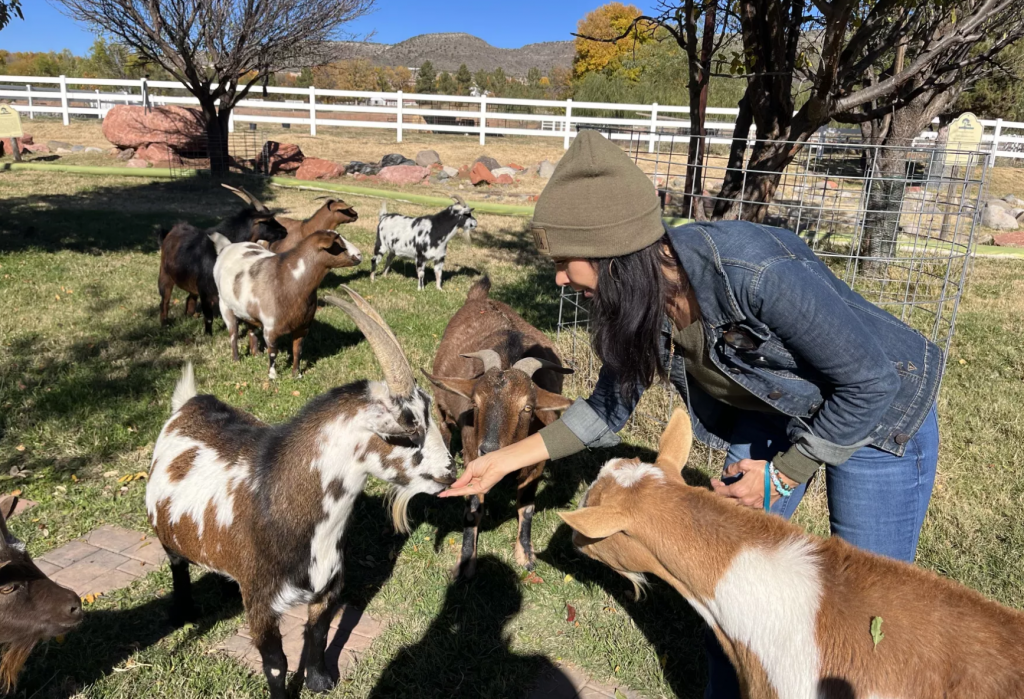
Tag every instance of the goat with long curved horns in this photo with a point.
(515, 395)
(269, 505)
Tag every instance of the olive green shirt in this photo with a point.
(561, 441)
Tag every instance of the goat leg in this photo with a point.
(466, 567)
(165, 285)
(318, 626)
(438, 272)
(183, 608)
(232, 324)
(254, 343)
(297, 337)
(190, 305)
(387, 264)
(526, 495)
(421, 272)
(266, 636)
(206, 304)
(272, 353)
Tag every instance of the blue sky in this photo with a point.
(504, 24)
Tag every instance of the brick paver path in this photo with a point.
(111, 557)
(103, 560)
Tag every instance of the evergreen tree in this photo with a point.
(446, 84)
(482, 80)
(305, 78)
(425, 78)
(463, 80)
(533, 77)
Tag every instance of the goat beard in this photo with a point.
(399, 499)
(12, 659)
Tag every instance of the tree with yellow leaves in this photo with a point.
(606, 22)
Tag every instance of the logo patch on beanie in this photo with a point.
(540, 239)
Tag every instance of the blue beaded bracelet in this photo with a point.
(767, 490)
(780, 487)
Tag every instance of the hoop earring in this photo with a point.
(611, 270)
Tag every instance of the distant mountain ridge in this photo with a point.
(447, 51)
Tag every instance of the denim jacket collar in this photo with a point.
(703, 266)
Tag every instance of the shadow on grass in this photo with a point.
(108, 637)
(407, 269)
(466, 651)
(670, 625)
(93, 220)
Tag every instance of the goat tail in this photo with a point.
(480, 290)
(160, 232)
(185, 390)
(383, 210)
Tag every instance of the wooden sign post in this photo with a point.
(962, 144)
(10, 127)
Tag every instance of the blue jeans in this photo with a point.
(876, 501)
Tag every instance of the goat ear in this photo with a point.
(546, 400)
(5, 536)
(460, 387)
(675, 443)
(597, 522)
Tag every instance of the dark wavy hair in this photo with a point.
(628, 309)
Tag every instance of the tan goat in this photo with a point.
(331, 214)
(799, 617)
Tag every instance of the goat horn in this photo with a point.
(247, 196)
(490, 358)
(397, 372)
(369, 310)
(530, 365)
(459, 200)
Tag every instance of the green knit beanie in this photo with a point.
(598, 203)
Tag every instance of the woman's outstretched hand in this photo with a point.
(483, 473)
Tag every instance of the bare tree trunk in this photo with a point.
(217, 141)
(694, 203)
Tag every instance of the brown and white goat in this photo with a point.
(333, 213)
(187, 257)
(500, 406)
(276, 292)
(268, 506)
(798, 616)
(33, 608)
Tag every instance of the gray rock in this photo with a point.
(450, 171)
(489, 162)
(1016, 212)
(498, 172)
(63, 151)
(77, 149)
(1020, 218)
(999, 204)
(356, 167)
(426, 158)
(545, 169)
(998, 218)
(93, 149)
(126, 154)
(393, 159)
(1014, 201)
(54, 145)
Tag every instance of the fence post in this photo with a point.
(568, 122)
(483, 119)
(64, 100)
(31, 114)
(399, 116)
(312, 111)
(654, 125)
(995, 143)
(144, 91)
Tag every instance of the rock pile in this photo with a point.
(159, 135)
(1006, 214)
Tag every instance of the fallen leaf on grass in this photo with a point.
(74, 478)
(110, 474)
(91, 598)
(570, 613)
(20, 447)
(16, 493)
(567, 578)
(296, 393)
(133, 477)
(533, 579)
(620, 695)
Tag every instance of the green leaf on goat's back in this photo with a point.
(876, 630)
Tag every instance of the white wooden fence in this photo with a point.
(400, 112)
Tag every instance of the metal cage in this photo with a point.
(896, 223)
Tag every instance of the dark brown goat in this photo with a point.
(500, 406)
(333, 213)
(187, 258)
(33, 608)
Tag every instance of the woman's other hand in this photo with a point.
(484, 472)
(748, 490)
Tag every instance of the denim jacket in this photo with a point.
(778, 322)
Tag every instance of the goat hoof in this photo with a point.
(180, 617)
(318, 682)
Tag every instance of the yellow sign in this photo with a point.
(10, 122)
(964, 135)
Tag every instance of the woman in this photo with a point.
(779, 362)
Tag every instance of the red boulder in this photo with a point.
(403, 174)
(280, 157)
(157, 153)
(1009, 240)
(318, 169)
(180, 128)
(479, 174)
(504, 179)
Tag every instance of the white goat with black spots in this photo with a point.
(420, 239)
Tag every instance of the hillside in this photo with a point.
(448, 51)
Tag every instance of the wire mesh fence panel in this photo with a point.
(896, 223)
(242, 156)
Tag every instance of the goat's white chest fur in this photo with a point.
(235, 274)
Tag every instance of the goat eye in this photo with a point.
(527, 408)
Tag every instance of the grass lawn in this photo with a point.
(86, 374)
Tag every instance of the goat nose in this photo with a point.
(487, 448)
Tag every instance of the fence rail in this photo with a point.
(480, 115)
